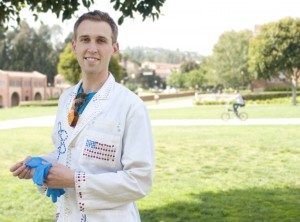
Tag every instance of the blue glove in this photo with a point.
(54, 193)
(41, 173)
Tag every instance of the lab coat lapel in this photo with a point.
(95, 106)
(66, 111)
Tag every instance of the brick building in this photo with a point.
(162, 70)
(21, 86)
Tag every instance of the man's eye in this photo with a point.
(101, 41)
(85, 40)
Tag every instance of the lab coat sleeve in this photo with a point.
(114, 189)
(52, 158)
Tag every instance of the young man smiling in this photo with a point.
(104, 151)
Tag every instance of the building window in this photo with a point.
(15, 82)
(38, 84)
(27, 83)
(2, 84)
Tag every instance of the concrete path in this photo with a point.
(27, 122)
(49, 121)
(219, 122)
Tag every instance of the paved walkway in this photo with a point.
(49, 120)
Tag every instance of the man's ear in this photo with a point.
(74, 46)
(116, 48)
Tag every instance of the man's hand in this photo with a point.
(22, 171)
(60, 176)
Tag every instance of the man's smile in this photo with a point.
(91, 58)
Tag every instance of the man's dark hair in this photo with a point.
(99, 16)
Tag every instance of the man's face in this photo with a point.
(93, 47)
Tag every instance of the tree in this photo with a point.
(276, 49)
(45, 57)
(176, 79)
(115, 68)
(20, 43)
(230, 56)
(189, 66)
(195, 78)
(10, 10)
(3, 49)
(191, 73)
(28, 50)
(145, 54)
(68, 65)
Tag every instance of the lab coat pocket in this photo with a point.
(100, 151)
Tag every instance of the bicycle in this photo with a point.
(229, 113)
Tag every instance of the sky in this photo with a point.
(187, 25)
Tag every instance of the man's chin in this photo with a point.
(91, 72)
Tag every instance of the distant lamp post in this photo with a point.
(155, 84)
(197, 88)
(196, 92)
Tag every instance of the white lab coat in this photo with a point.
(111, 151)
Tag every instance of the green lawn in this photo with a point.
(194, 112)
(210, 174)
(203, 173)
(26, 112)
(214, 112)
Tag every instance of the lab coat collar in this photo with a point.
(95, 106)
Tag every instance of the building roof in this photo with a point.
(34, 74)
(161, 69)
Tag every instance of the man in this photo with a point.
(104, 156)
(239, 102)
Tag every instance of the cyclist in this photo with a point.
(239, 102)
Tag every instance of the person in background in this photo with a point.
(239, 102)
(104, 149)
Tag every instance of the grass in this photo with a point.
(27, 112)
(215, 111)
(225, 174)
(194, 112)
(37, 111)
(203, 173)
(214, 174)
(20, 200)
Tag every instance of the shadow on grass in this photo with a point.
(253, 205)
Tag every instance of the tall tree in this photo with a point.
(21, 43)
(68, 65)
(10, 10)
(3, 49)
(276, 49)
(45, 56)
(176, 79)
(192, 73)
(116, 69)
(195, 78)
(189, 66)
(28, 50)
(230, 56)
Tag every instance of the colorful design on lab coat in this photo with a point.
(97, 150)
(63, 136)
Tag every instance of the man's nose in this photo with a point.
(92, 48)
